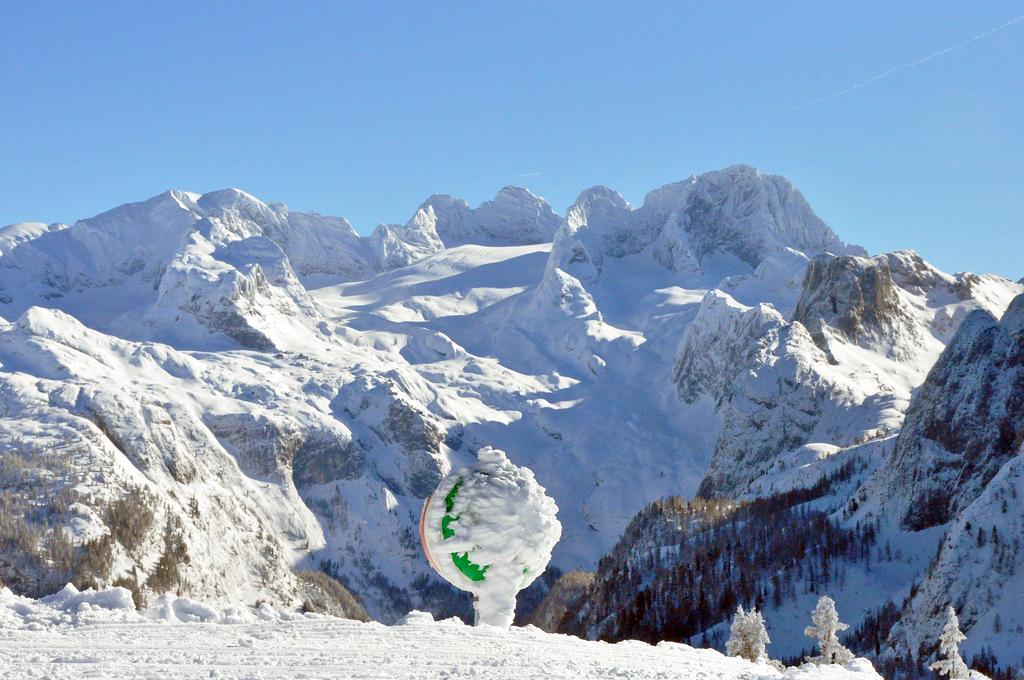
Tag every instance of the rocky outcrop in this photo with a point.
(397, 421)
(775, 406)
(326, 455)
(963, 424)
(737, 211)
(743, 212)
(978, 570)
(855, 297)
(263, 445)
(725, 339)
(396, 246)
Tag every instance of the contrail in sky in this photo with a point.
(527, 174)
(897, 69)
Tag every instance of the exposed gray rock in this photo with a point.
(396, 421)
(855, 297)
(963, 424)
(774, 408)
(910, 271)
(263, 445)
(325, 456)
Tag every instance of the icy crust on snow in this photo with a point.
(495, 520)
(98, 637)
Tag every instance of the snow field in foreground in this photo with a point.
(97, 635)
(336, 648)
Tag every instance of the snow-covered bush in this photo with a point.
(952, 666)
(825, 629)
(748, 637)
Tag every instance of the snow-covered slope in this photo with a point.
(283, 392)
(957, 464)
(88, 635)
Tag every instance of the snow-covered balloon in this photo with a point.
(489, 529)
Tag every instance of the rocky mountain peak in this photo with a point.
(742, 211)
(513, 216)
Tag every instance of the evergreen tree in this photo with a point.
(952, 666)
(748, 637)
(826, 629)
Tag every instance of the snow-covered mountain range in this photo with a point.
(212, 391)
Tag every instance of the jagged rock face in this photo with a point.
(361, 394)
(396, 420)
(978, 564)
(737, 211)
(516, 216)
(400, 246)
(326, 455)
(110, 437)
(725, 339)
(910, 271)
(774, 407)
(979, 571)
(245, 290)
(604, 220)
(963, 424)
(673, 249)
(264, 446)
(809, 381)
(856, 297)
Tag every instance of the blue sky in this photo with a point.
(364, 109)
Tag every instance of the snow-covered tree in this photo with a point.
(952, 666)
(825, 630)
(748, 636)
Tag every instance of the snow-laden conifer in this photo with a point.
(748, 637)
(825, 629)
(952, 665)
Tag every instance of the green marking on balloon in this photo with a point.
(472, 571)
(446, 531)
(449, 500)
